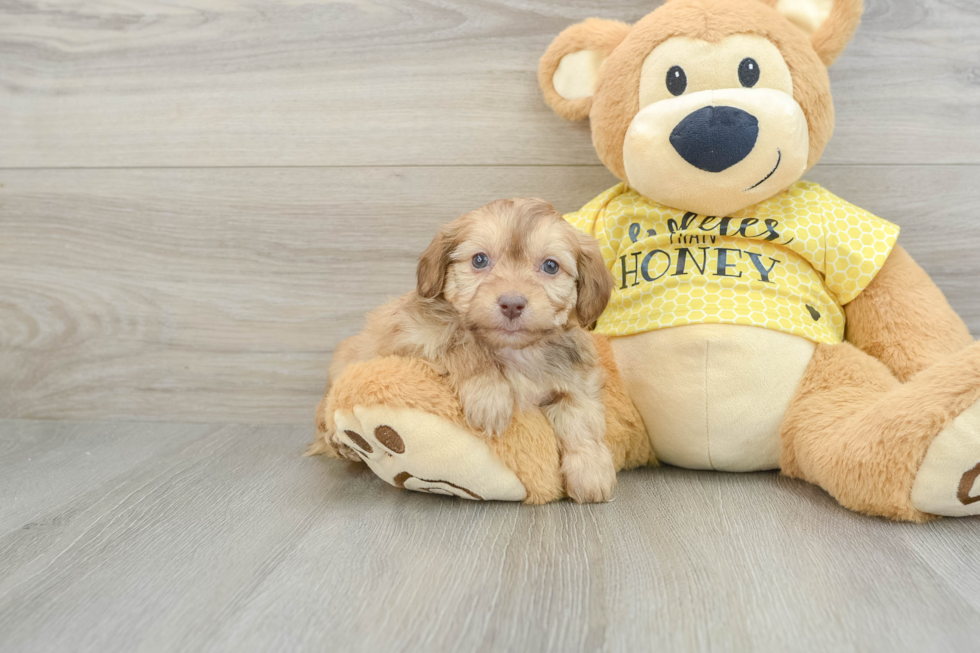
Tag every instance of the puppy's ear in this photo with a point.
(569, 69)
(431, 271)
(595, 282)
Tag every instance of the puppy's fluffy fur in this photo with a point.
(463, 318)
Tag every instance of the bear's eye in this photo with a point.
(748, 72)
(676, 80)
(481, 261)
(550, 266)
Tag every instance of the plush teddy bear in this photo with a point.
(758, 322)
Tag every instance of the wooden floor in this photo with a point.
(200, 198)
(177, 537)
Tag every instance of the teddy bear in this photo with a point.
(758, 321)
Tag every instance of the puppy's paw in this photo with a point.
(493, 421)
(590, 475)
(488, 407)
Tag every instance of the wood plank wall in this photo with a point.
(199, 199)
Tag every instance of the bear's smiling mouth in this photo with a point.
(766, 178)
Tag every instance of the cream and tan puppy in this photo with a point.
(503, 298)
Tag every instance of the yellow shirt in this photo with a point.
(789, 263)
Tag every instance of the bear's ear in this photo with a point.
(569, 69)
(830, 23)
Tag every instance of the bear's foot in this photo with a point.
(948, 480)
(416, 450)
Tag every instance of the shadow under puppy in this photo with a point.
(503, 297)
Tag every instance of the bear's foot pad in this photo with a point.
(415, 450)
(948, 481)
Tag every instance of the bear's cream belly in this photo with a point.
(712, 396)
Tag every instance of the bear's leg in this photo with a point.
(902, 451)
(626, 436)
(402, 419)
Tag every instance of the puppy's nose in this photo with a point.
(512, 305)
(714, 139)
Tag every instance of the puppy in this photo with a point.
(503, 297)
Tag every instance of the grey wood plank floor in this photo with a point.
(177, 537)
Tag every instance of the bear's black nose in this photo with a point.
(715, 138)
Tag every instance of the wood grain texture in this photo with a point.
(405, 82)
(223, 538)
(218, 295)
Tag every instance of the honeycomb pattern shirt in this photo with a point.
(789, 263)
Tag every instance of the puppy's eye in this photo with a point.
(748, 72)
(481, 261)
(676, 80)
(550, 266)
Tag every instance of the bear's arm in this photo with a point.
(903, 319)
